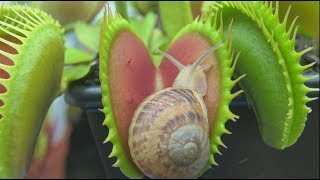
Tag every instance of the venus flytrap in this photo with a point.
(128, 75)
(31, 54)
(32, 75)
(274, 84)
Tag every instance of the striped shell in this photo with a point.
(168, 136)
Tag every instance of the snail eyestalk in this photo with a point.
(204, 55)
(193, 76)
(177, 63)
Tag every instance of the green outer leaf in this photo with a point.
(69, 11)
(144, 27)
(214, 34)
(158, 40)
(145, 6)
(88, 35)
(41, 147)
(111, 26)
(32, 86)
(74, 55)
(121, 8)
(274, 84)
(73, 73)
(151, 36)
(174, 16)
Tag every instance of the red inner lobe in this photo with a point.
(131, 77)
(187, 48)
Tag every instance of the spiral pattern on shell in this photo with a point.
(168, 136)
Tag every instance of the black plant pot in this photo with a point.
(247, 156)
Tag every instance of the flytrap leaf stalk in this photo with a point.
(31, 65)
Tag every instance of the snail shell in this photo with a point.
(168, 136)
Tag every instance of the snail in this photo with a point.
(168, 135)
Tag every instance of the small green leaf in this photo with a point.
(74, 55)
(174, 16)
(145, 6)
(160, 41)
(41, 147)
(152, 38)
(121, 7)
(144, 27)
(75, 72)
(88, 35)
(69, 26)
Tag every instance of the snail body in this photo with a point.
(169, 132)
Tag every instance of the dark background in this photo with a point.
(246, 156)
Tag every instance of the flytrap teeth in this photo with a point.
(237, 80)
(225, 131)
(214, 148)
(110, 136)
(310, 99)
(308, 78)
(223, 145)
(301, 53)
(313, 89)
(116, 164)
(292, 25)
(113, 152)
(285, 19)
(308, 65)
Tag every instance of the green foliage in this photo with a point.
(174, 16)
(88, 35)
